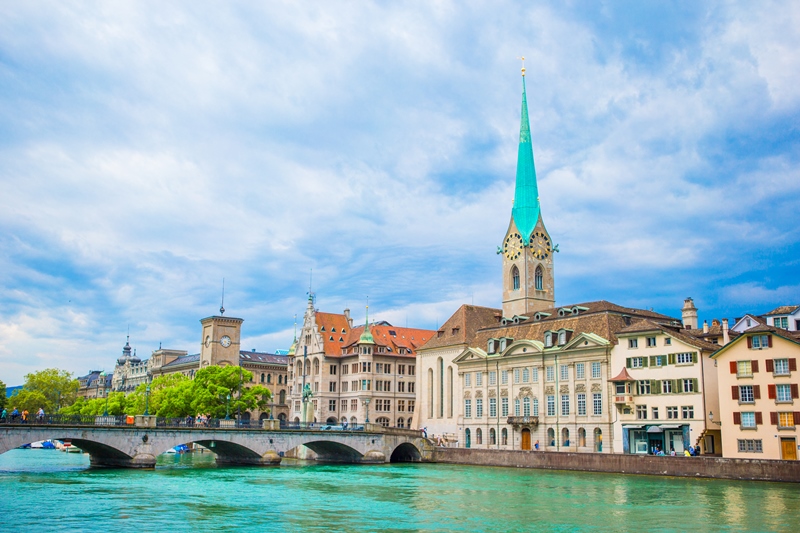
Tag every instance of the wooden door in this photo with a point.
(526, 439)
(789, 449)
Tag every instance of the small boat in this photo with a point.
(67, 446)
(180, 448)
(44, 445)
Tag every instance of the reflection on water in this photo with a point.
(190, 493)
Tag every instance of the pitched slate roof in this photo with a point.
(183, 360)
(783, 310)
(463, 325)
(262, 357)
(643, 325)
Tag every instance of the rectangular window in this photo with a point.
(401, 386)
(564, 404)
(411, 386)
(401, 369)
(354, 404)
(516, 407)
(401, 406)
(781, 322)
(492, 377)
(581, 404)
(333, 370)
(597, 404)
(596, 370)
(687, 411)
(479, 379)
(344, 386)
(332, 405)
(551, 405)
(467, 408)
(655, 413)
(666, 386)
(746, 394)
(366, 384)
(636, 362)
(526, 406)
(410, 406)
(748, 420)
(504, 407)
(783, 393)
(688, 385)
(643, 386)
(332, 386)
(504, 377)
(684, 358)
(535, 375)
(651, 342)
(525, 375)
(781, 367)
(641, 412)
(744, 368)
(667, 341)
(750, 445)
(633, 343)
(516, 375)
(468, 379)
(387, 368)
(344, 405)
(658, 360)
(479, 407)
(672, 413)
(296, 406)
(378, 368)
(493, 407)
(759, 342)
(786, 420)
(550, 373)
(536, 407)
(564, 372)
(580, 372)
(412, 370)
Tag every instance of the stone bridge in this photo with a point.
(138, 447)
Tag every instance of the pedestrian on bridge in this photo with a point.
(4, 416)
(40, 414)
(14, 414)
(25, 416)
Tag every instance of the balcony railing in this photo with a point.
(623, 398)
(523, 420)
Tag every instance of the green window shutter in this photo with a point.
(671, 359)
(655, 386)
(644, 361)
(652, 360)
(628, 362)
(677, 386)
(695, 387)
(694, 357)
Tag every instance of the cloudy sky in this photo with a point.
(148, 150)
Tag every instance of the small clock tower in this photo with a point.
(221, 341)
(528, 281)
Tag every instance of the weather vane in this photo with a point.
(523, 64)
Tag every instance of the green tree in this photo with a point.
(213, 385)
(57, 388)
(3, 399)
(31, 400)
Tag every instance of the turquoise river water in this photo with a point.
(48, 490)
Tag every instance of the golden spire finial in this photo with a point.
(523, 65)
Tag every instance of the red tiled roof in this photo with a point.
(622, 376)
(335, 331)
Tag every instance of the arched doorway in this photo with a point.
(598, 440)
(467, 437)
(551, 437)
(282, 417)
(582, 437)
(526, 439)
(331, 421)
(478, 436)
(263, 416)
(565, 437)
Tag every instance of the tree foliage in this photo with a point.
(49, 389)
(3, 398)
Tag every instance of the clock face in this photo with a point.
(540, 245)
(513, 246)
(225, 341)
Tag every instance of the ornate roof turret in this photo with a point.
(366, 337)
(526, 210)
(126, 352)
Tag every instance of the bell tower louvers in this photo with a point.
(528, 283)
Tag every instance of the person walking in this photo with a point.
(4, 416)
(14, 414)
(25, 416)
(40, 414)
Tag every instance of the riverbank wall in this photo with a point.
(703, 467)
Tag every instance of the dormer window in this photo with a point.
(548, 339)
(322, 328)
(491, 346)
(502, 344)
(333, 330)
(562, 337)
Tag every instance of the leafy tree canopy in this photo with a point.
(50, 389)
(3, 398)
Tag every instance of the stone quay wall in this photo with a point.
(706, 467)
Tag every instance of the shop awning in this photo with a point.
(655, 429)
(670, 426)
(632, 427)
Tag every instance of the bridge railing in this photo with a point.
(316, 426)
(129, 421)
(67, 420)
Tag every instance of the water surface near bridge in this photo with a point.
(44, 490)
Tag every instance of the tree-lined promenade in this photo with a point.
(214, 391)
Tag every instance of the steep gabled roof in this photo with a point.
(645, 325)
(462, 327)
(784, 310)
(335, 330)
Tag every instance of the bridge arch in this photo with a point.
(330, 451)
(406, 453)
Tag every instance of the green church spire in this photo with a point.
(366, 337)
(526, 194)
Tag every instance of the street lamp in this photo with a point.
(366, 404)
(227, 407)
(146, 400)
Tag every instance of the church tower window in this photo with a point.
(539, 278)
(515, 278)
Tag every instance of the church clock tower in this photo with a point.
(221, 341)
(528, 284)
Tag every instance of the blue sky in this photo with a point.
(149, 150)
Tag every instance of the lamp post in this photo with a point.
(146, 400)
(366, 405)
(227, 407)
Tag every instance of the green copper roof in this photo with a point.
(526, 195)
(366, 337)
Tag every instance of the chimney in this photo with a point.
(347, 316)
(689, 314)
(705, 326)
(726, 338)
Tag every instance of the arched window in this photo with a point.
(383, 421)
(269, 378)
(492, 437)
(516, 407)
(450, 392)
(548, 339)
(283, 397)
(536, 407)
(353, 420)
(316, 367)
(467, 438)
(504, 437)
(440, 372)
(539, 278)
(307, 368)
(565, 437)
(598, 440)
(526, 406)
(262, 377)
(430, 393)
(478, 436)
(581, 437)
(515, 278)
(400, 423)
(551, 437)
